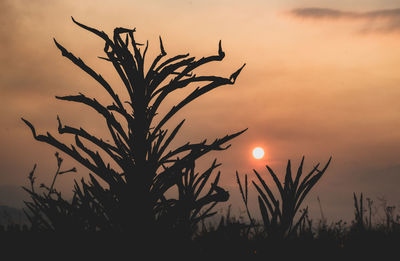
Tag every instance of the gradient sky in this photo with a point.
(322, 79)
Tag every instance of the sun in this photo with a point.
(258, 153)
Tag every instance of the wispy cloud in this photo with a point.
(385, 20)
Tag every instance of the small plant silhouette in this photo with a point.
(278, 213)
(146, 166)
(48, 210)
(359, 211)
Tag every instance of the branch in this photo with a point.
(101, 34)
(167, 70)
(199, 149)
(90, 71)
(93, 103)
(105, 174)
(219, 81)
(108, 148)
(150, 72)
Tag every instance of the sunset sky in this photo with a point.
(321, 79)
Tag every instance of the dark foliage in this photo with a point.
(278, 213)
(143, 166)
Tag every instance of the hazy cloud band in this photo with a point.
(382, 20)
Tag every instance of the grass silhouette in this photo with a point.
(232, 237)
(278, 215)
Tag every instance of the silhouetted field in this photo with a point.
(122, 208)
(230, 237)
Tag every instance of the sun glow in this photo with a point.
(258, 153)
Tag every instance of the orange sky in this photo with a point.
(314, 85)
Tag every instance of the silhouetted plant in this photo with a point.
(135, 191)
(245, 197)
(359, 218)
(184, 212)
(389, 222)
(278, 214)
(48, 210)
(305, 227)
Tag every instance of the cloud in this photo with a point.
(385, 20)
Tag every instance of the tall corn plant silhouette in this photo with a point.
(278, 212)
(146, 165)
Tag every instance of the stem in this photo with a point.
(54, 179)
